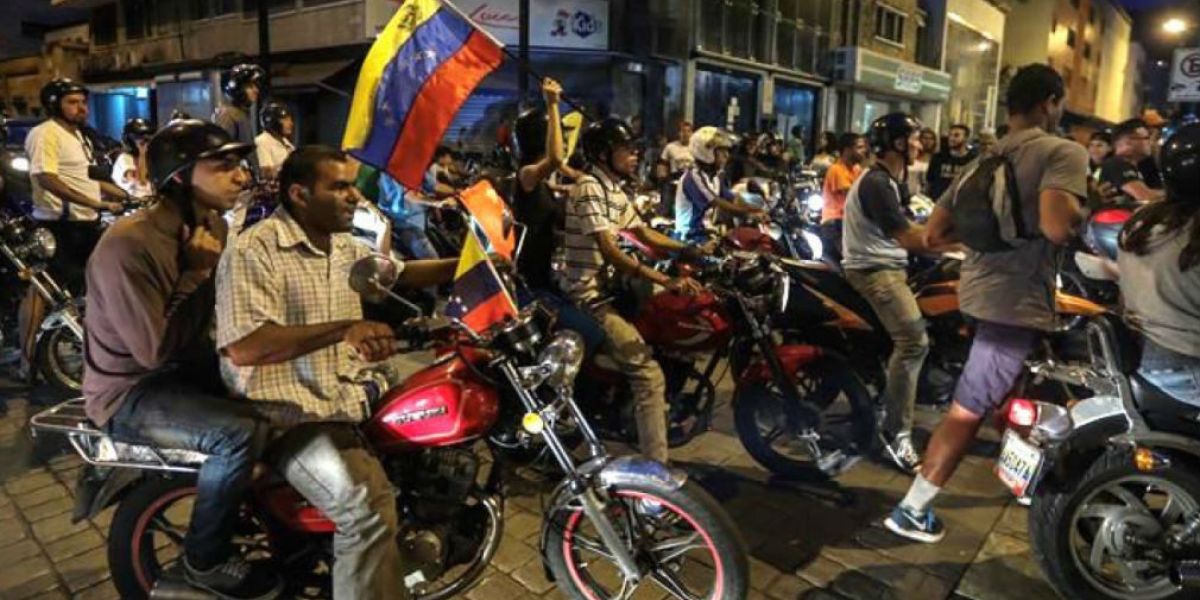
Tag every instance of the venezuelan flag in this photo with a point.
(416, 76)
(479, 298)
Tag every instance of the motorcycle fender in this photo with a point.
(1095, 423)
(1161, 440)
(791, 357)
(97, 489)
(60, 318)
(1067, 304)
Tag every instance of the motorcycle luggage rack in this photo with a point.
(96, 448)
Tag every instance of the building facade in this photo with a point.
(21, 79)
(972, 41)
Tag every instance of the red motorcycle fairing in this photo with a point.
(751, 239)
(442, 405)
(792, 357)
(671, 321)
(292, 510)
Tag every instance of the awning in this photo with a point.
(311, 75)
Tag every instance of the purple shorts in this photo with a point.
(997, 360)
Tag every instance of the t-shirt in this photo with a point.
(272, 151)
(55, 149)
(1017, 287)
(1117, 172)
(679, 155)
(1161, 301)
(915, 177)
(943, 168)
(838, 179)
(874, 215)
(693, 198)
(597, 203)
(542, 215)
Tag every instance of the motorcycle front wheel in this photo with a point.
(59, 358)
(1099, 536)
(685, 544)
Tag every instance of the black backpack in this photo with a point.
(986, 206)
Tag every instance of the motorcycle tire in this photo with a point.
(834, 378)
(1050, 527)
(133, 563)
(52, 365)
(689, 504)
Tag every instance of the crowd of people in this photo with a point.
(292, 339)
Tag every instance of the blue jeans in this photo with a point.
(414, 243)
(183, 410)
(1178, 375)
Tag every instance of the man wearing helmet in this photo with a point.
(150, 373)
(598, 209)
(274, 144)
(700, 187)
(242, 90)
(877, 238)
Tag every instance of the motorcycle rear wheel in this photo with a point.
(1075, 518)
(712, 552)
(770, 428)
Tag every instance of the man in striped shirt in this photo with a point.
(596, 212)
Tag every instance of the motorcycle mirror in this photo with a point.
(372, 277)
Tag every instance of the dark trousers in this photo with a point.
(180, 410)
(74, 241)
(831, 239)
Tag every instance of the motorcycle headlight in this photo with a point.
(814, 202)
(561, 358)
(43, 244)
(19, 163)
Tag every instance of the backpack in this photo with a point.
(986, 207)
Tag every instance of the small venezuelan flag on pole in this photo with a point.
(479, 298)
(415, 78)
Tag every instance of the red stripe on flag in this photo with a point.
(496, 309)
(435, 107)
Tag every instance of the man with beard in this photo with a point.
(947, 164)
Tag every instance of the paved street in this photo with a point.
(806, 541)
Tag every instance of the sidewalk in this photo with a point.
(806, 541)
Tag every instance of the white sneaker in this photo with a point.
(901, 452)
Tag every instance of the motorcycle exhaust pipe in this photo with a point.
(1186, 574)
(172, 586)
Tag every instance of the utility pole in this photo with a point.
(264, 41)
(523, 53)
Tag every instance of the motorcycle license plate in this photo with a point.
(1019, 463)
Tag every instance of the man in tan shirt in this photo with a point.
(293, 341)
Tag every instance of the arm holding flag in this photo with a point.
(555, 157)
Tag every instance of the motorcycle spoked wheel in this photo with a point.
(770, 428)
(1108, 504)
(59, 358)
(689, 547)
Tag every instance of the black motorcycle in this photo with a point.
(58, 354)
(1114, 482)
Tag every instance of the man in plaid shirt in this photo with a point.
(293, 340)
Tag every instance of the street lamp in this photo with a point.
(1175, 26)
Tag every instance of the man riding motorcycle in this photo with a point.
(150, 308)
(700, 187)
(293, 341)
(597, 211)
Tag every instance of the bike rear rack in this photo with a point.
(97, 448)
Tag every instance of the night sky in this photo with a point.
(1148, 17)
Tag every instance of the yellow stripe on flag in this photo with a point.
(411, 15)
(472, 254)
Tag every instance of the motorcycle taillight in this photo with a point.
(1022, 413)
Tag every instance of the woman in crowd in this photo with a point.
(827, 153)
(129, 170)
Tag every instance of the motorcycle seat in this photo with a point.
(1163, 410)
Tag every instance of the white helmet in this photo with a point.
(707, 139)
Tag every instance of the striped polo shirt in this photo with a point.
(596, 204)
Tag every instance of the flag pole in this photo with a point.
(528, 68)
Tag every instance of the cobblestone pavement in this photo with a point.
(806, 541)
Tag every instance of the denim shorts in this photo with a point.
(996, 361)
(1177, 375)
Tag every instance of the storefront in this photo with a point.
(111, 105)
(870, 85)
(972, 50)
(726, 98)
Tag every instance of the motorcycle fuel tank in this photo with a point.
(687, 323)
(441, 405)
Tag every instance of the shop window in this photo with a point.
(167, 14)
(137, 20)
(104, 25)
(889, 24)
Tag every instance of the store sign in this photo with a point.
(552, 23)
(909, 80)
(1185, 76)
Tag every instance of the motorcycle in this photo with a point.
(790, 231)
(611, 526)
(58, 349)
(735, 321)
(1112, 481)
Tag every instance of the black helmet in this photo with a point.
(600, 137)
(887, 129)
(529, 136)
(238, 78)
(53, 93)
(181, 143)
(135, 128)
(272, 115)
(1179, 160)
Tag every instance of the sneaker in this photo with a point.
(235, 579)
(901, 452)
(924, 528)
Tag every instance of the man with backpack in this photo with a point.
(1013, 210)
(876, 240)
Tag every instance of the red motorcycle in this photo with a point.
(776, 383)
(611, 526)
